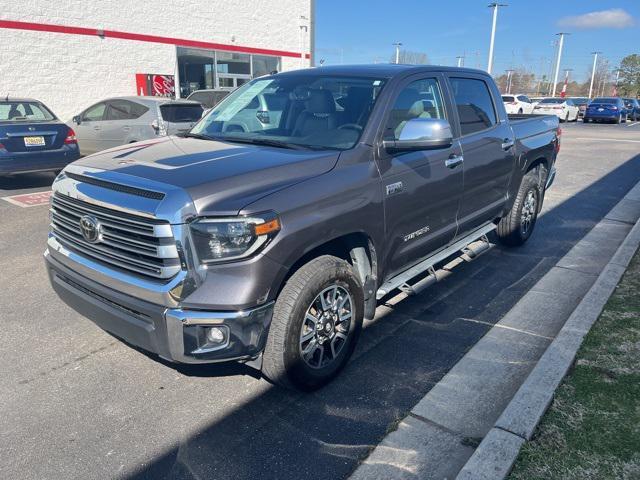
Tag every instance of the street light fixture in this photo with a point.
(555, 77)
(593, 71)
(495, 6)
(397, 45)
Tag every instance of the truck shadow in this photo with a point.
(408, 348)
(26, 180)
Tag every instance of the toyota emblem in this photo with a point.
(90, 228)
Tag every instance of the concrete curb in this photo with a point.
(498, 451)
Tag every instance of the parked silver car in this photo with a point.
(121, 120)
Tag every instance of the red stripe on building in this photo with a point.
(139, 37)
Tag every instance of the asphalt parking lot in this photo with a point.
(79, 404)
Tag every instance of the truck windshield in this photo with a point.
(301, 111)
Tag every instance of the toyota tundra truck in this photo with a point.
(268, 233)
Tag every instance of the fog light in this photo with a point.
(215, 335)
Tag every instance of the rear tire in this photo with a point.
(316, 322)
(517, 226)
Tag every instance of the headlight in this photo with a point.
(224, 239)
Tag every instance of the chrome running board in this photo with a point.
(470, 247)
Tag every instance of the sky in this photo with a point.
(359, 31)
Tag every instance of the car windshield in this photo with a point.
(552, 100)
(612, 101)
(17, 111)
(294, 111)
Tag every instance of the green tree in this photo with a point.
(630, 75)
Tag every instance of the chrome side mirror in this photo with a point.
(421, 134)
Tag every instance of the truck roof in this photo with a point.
(383, 70)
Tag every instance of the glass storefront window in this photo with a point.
(263, 65)
(200, 69)
(233, 63)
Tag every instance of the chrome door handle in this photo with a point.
(507, 144)
(454, 161)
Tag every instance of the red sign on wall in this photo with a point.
(155, 85)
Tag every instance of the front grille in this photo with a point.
(128, 242)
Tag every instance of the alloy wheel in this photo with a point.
(528, 213)
(325, 327)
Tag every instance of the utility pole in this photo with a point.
(615, 90)
(563, 93)
(397, 45)
(509, 77)
(495, 6)
(555, 77)
(593, 71)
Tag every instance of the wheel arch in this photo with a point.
(359, 250)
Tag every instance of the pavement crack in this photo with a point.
(78, 359)
(433, 424)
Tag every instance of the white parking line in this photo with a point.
(632, 124)
(607, 139)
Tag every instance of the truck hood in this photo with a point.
(221, 178)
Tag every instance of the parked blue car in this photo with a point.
(608, 109)
(633, 108)
(32, 139)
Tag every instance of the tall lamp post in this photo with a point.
(593, 71)
(509, 77)
(555, 77)
(495, 6)
(397, 45)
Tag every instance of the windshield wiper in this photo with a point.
(198, 135)
(263, 141)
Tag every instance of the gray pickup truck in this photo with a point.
(267, 233)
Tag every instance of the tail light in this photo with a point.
(71, 137)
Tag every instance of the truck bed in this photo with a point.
(528, 125)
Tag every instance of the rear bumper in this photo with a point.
(601, 116)
(177, 335)
(23, 162)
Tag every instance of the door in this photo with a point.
(88, 131)
(119, 126)
(421, 189)
(487, 144)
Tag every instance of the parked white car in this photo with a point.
(563, 108)
(519, 103)
(122, 120)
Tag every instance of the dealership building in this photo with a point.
(72, 53)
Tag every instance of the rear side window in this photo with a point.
(176, 113)
(507, 99)
(125, 110)
(419, 99)
(474, 104)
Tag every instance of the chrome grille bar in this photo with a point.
(137, 244)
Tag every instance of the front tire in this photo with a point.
(516, 228)
(316, 322)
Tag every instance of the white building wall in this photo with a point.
(68, 72)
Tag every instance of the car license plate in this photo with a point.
(34, 141)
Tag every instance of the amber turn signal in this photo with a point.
(268, 227)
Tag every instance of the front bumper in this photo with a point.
(175, 334)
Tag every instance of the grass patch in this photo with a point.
(592, 429)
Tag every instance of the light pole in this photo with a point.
(460, 60)
(555, 77)
(615, 91)
(593, 71)
(495, 6)
(397, 45)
